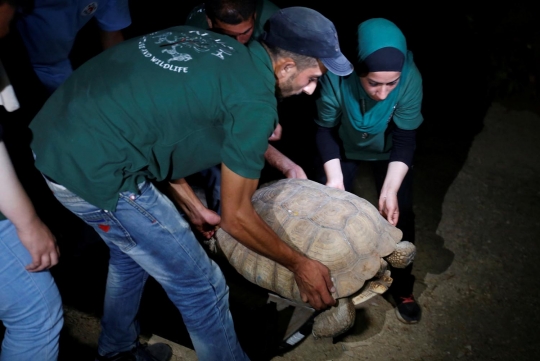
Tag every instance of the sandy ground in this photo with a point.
(477, 256)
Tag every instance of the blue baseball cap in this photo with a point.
(305, 31)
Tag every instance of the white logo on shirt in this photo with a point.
(90, 9)
(161, 63)
(176, 56)
(195, 40)
(172, 42)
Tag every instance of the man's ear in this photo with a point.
(209, 22)
(285, 67)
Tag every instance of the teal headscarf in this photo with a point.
(375, 34)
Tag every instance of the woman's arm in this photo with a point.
(327, 141)
(401, 159)
(388, 203)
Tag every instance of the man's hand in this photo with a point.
(41, 244)
(203, 219)
(295, 171)
(206, 222)
(315, 284)
(242, 222)
(282, 163)
(276, 135)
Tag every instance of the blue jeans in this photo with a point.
(30, 304)
(147, 236)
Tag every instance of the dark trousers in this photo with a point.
(402, 285)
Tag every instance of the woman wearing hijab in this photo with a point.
(372, 115)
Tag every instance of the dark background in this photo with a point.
(468, 55)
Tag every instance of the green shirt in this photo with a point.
(163, 106)
(265, 9)
(359, 145)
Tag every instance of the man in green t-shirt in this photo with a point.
(241, 19)
(244, 21)
(162, 107)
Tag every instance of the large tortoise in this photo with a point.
(337, 228)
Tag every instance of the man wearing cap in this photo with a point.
(159, 108)
(244, 21)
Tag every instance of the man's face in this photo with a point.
(379, 84)
(297, 82)
(6, 14)
(241, 32)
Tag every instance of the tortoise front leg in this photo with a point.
(336, 320)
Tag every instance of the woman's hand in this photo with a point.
(389, 208)
(388, 202)
(334, 175)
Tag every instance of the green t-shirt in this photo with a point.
(265, 9)
(360, 145)
(163, 106)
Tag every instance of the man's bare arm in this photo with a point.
(241, 221)
(204, 219)
(284, 164)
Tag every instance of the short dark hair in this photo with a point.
(302, 61)
(230, 11)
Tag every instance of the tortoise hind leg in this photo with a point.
(403, 255)
(336, 320)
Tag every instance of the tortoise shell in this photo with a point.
(341, 230)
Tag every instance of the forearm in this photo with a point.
(242, 222)
(334, 174)
(184, 196)
(277, 159)
(14, 202)
(394, 177)
(111, 38)
(282, 163)
(250, 230)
